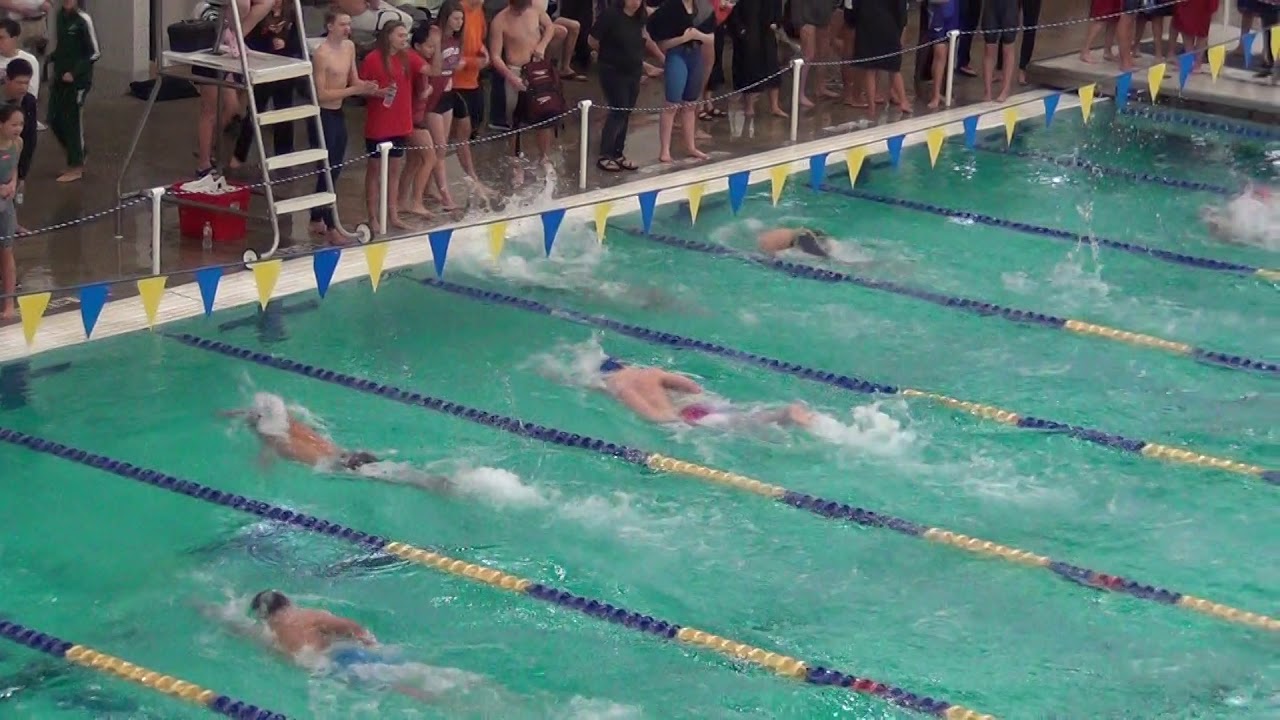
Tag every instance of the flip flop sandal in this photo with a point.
(609, 165)
(626, 164)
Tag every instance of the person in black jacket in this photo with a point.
(17, 92)
(277, 34)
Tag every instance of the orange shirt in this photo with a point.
(467, 77)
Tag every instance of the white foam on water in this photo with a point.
(870, 430)
(999, 480)
(498, 487)
(582, 708)
(1247, 219)
(573, 364)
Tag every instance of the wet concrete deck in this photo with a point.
(90, 252)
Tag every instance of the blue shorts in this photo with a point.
(943, 18)
(682, 74)
(347, 658)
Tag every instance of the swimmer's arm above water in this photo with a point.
(331, 624)
(641, 405)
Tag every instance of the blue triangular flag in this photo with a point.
(92, 298)
(971, 131)
(1185, 62)
(738, 189)
(550, 226)
(440, 248)
(208, 279)
(647, 201)
(895, 149)
(1246, 42)
(1050, 107)
(817, 170)
(324, 263)
(1123, 83)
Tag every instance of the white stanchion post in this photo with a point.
(584, 141)
(157, 195)
(796, 65)
(1226, 15)
(384, 181)
(953, 39)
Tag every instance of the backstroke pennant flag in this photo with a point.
(497, 238)
(1124, 82)
(151, 290)
(265, 275)
(934, 138)
(375, 256)
(31, 308)
(439, 249)
(895, 149)
(92, 298)
(1275, 41)
(738, 189)
(601, 211)
(1155, 76)
(695, 191)
(207, 279)
(648, 201)
(1010, 122)
(1086, 100)
(1246, 43)
(970, 131)
(1217, 56)
(1050, 107)
(778, 180)
(551, 220)
(817, 170)
(853, 158)
(323, 264)
(1187, 61)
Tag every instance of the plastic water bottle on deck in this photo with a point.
(206, 236)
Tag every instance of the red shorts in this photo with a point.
(694, 413)
(1099, 8)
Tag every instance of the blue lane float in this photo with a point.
(1075, 161)
(1253, 132)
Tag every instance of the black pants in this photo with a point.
(334, 125)
(970, 16)
(1030, 18)
(621, 90)
(281, 95)
(499, 113)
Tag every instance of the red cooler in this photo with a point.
(227, 228)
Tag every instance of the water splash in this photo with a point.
(869, 430)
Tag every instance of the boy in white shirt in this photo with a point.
(10, 32)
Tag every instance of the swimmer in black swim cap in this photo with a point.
(810, 242)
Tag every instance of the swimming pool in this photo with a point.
(120, 565)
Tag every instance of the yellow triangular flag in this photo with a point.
(602, 219)
(497, 238)
(374, 255)
(1086, 99)
(151, 290)
(265, 275)
(32, 308)
(1155, 76)
(934, 139)
(1275, 40)
(1217, 56)
(1010, 120)
(853, 163)
(778, 180)
(695, 192)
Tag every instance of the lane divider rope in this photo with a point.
(125, 670)
(828, 509)
(1075, 161)
(847, 382)
(1180, 118)
(977, 307)
(780, 664)
(1177, 258)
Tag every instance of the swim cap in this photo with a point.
(268, 602)
(610, 364)
(270, 414)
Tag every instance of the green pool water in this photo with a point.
(124, 567)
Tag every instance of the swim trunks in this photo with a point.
(610, 365)
(357, 663)
(693, 414)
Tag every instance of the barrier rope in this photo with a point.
(847, 382)
(821, 507)
(985, 309)
(780, 664)
(1172, 116)
(77, 221)
(1169, 256)
(125, 670)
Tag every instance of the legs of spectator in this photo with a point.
(66, 119)
(420, 160)
(571, 29)
(808, 51)
(373, 186)
(440, 124)
(970, 15)
(939, 74)
(1030, 18)
(499, 113)
(1124, 41)
(9, 273)
(210, 121)
(334, 126)
(262, 95)
(1086, 52)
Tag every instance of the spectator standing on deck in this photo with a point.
(620, 40)
(1192, 19)
(390, 119)
(10, 150)
(1102, 13)
(753, 25)
(10, 32)
(671, 25)
(73, 58)
(277, 34)
(999, 31)
(16, 91)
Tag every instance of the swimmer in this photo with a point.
(1251, 218)
(283, 434)
(810, 242)
(661, 396)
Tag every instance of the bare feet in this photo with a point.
(419, 210)
(7, 314)
(777, 111)
(830, 94)
(935, 102)
(397, 222)
(805, 102)
(317, 228)
(698, 154)
(664, 157)
(71, 175)
(1087, 57)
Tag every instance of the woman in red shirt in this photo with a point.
(1192, 18)
(423, 158)
(390, 114)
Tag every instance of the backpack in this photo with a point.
(543, 98)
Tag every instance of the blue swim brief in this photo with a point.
(346, 658)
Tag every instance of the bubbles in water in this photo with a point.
(497, 486)
(870, 430)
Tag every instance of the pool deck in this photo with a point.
(1237, 92)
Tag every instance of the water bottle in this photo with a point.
(17, 198)
(206, 236)
(390, 98)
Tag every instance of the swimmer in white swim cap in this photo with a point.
(293, 439)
